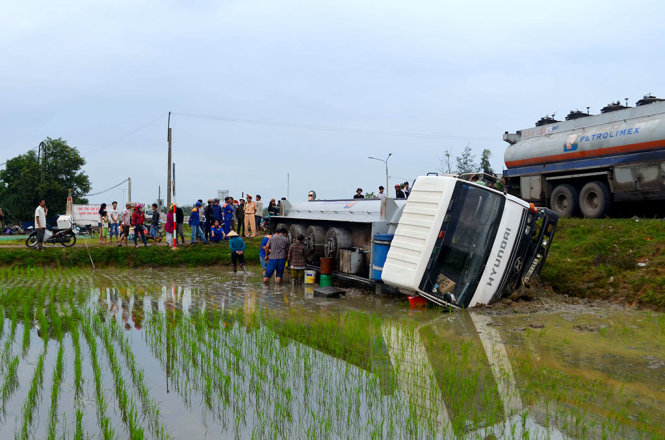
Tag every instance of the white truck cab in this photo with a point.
(461, 244)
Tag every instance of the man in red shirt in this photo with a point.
(138, 218)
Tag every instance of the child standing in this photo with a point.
(296, 259)
(237, 246)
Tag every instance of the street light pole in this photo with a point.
(385, 161)
(40, 162)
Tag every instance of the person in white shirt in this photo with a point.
(114, 220)
(381, 195)
(40, 223)
(126, 218)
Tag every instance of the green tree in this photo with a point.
(485, 165)
(20, 186)
(465, 162)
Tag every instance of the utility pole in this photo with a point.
(159, 197)
(129, 190)
(173, 182)
(168, 178)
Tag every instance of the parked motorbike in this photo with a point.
(17, 229)
(65, 237)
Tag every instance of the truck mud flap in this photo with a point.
(550, 220)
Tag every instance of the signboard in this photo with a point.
(86, 214)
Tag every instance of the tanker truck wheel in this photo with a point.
(294, 231)
(336, 239)
(315, 240)
(595, 199)
(563, 200)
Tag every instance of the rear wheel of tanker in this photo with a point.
(563, 200)
(294, 231)
(595, 199)
(336, 239)
(315, 240)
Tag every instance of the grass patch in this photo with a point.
(602, 259)
(114, 256)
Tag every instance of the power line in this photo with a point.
(333, 129)
(130, 133)
(123, 137)
(107, 190)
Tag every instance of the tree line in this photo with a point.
(28, 178)
(466, 162)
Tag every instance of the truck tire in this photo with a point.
(563, 200)
(595, 199)
(294, 231)
(336, 239)
(280, 226)
(315, 242)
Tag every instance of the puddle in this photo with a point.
(203, 353)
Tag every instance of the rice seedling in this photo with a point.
(10, 383)
(33, 396)
(55, 392)
(102, 418)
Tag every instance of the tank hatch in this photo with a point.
(547, 119)
(649, 99)
(576, 114)
(612, 107)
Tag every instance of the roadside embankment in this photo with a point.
(151, 256)
(622, 260)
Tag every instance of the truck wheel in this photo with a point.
(294, 231)
(563, 200)
(595, 199)
(337, 239)
(315, 241)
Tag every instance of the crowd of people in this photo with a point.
(211, 222)
(402, 191)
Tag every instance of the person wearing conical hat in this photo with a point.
(237, 246)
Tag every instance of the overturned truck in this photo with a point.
(456, 243)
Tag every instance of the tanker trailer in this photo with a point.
(584, 164)
(456, 243)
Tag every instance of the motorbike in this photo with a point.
(14, 230)
(65, 237)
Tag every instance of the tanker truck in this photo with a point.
(587, 162)
(454, 242)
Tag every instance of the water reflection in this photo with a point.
(226, 356)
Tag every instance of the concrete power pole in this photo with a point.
(168, 178)
(173, 182)
(129, 189)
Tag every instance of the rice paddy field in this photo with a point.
(203, 353)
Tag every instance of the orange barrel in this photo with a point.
(326, 266)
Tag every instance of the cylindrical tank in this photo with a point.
(616, 133)
(380, 246)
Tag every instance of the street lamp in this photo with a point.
(41, 149)
(386, 162)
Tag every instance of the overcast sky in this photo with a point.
(411, 78)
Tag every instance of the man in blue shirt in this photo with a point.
(262, 253)
(195, 223)
(217, 212)
(228, 211)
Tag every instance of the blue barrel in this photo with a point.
(380, 246)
